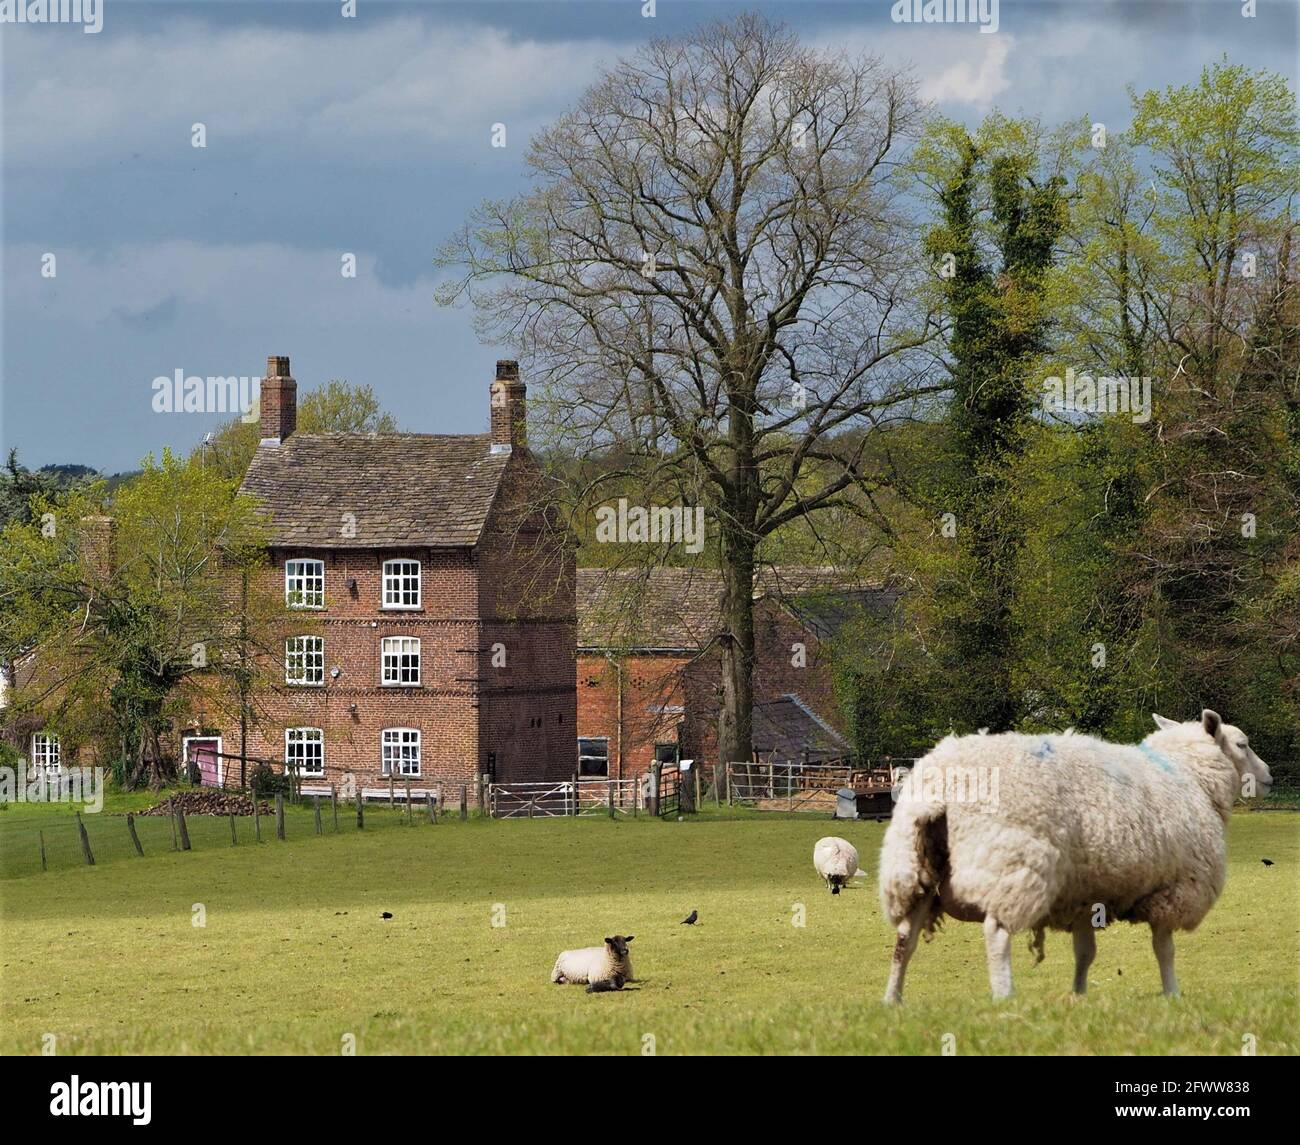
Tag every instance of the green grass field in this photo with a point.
(294, 955)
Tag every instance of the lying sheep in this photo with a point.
(1023, 832)
(836, 860)
(598, 965)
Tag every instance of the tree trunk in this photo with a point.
(735, 719)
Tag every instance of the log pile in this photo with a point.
(208, 803)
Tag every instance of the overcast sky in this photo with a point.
(371, 135)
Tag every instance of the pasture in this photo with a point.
(294, 954)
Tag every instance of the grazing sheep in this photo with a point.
(836, 861)
(1023, 832)
(595, 964)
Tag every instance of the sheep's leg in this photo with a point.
(909, 930)
(997, 944)
(1162, 941)
(1085, 950)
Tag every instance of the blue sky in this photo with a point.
(371, 135)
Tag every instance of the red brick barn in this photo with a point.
(648, 669)
(440, 644)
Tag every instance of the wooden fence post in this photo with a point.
(135, 839)
(42, 835)
(654, 797)
(171, 810)
(234, 835)
(408, 802)
(392, 802)
(433, 813)
(464, 805)
(257, 816)
(279, 816)
(696, 768)
(334, 806)
(575, 794)
(728, 766)
(85, 841)
(185, 831)
(609, 785)
(717, 790)
(316, 809)
(361, 815)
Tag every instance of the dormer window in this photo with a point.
(401, 584)
(304, 584)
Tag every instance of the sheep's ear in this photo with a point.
(1211, 721)
(1161, 722)
(609, 942)
(629, 938)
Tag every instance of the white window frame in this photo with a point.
(47, 755)
(310, 656)
(299, 738)
(396, 583)
(390, 674)
(297, 576)
(581, 757)
(401, 738)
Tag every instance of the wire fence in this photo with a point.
(57, 839)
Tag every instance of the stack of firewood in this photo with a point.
(207, 803)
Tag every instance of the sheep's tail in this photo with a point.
(913, 861)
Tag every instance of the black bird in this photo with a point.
(385, 915)
(691, 918)
(1267, 862)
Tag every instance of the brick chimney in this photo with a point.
(279, 401)
(97, 543)
(509, 419)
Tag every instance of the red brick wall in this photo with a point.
(648, 683)
(655, 680)
(353, 625)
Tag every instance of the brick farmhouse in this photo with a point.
(438, 604)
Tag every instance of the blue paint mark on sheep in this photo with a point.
(1155, 757)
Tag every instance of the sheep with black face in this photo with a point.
(595, 964)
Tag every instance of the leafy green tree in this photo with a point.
(133, 610)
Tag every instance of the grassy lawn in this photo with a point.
(294, 954)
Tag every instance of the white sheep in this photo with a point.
(1023, 832)
(595, 964)
(836, 861)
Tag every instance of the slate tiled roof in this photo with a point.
(679, 609)
(413, 489)
(664, 609)
(788, 728)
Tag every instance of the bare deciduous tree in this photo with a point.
(713, 277)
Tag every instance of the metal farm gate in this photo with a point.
(585, 797)
(668, 800)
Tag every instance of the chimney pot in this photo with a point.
(277, 367)
(507, 370)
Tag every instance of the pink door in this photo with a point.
(204, 753)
